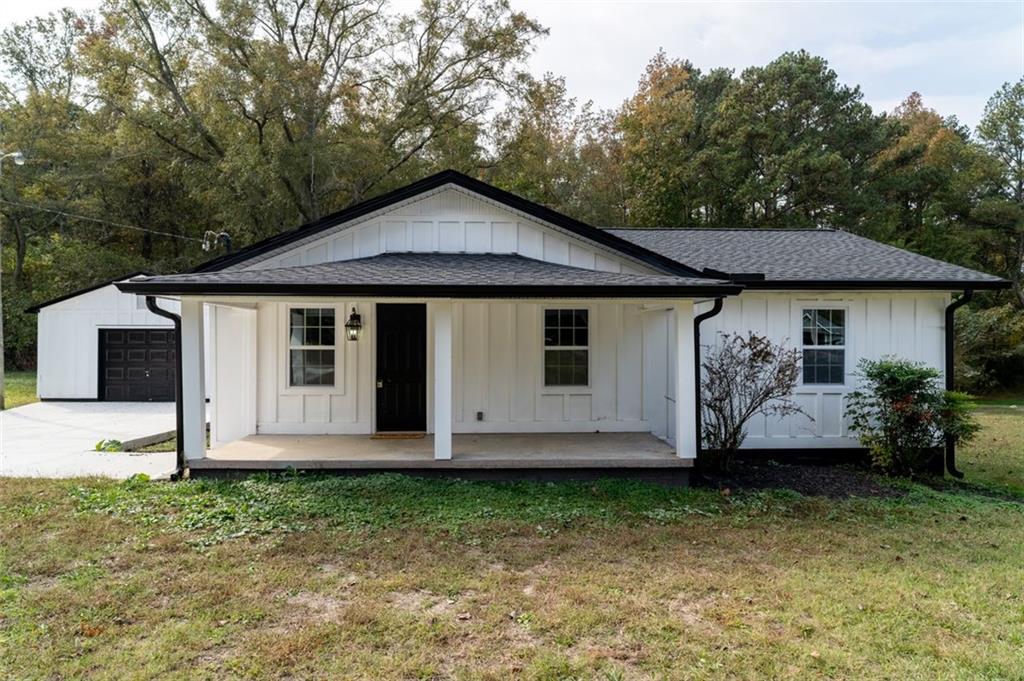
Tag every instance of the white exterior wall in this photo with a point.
(498, 354)
(68, 339)
(450, 220)
(909, 325)
(231, 377)
(497, 365)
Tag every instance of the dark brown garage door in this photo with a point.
(137, 365)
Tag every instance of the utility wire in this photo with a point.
(122, 225)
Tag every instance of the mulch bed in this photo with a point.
(834, 481)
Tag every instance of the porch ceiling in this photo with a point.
(470, 451)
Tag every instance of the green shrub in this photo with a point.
(901, 414)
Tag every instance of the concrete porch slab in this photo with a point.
(495, 451)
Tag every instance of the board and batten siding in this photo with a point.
(68, 339)
(909, 325)
(449, 221)
(498, 359)
(497, 370)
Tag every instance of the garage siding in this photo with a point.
(68, 339)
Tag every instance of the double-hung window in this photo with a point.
(311, 346)
(566, 347)
(824, 346)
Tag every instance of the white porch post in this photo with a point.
(686, 383)
(443, 380)
(193, 380)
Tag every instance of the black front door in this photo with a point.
(401, 367)
(137, 365)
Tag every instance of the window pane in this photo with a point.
(312, 367)
(566, 328)
(565, 367)
(824, 366)
(297, 317)
(327, 336)
(296, 336)
(327, 317)
(312, 336)
(312, 316)
(824, 327)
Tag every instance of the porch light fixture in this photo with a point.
(353, 325)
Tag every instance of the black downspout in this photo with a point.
(950, 382)
(178, 411)
(715, 309)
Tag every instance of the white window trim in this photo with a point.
(567, 389)
(845, 347)
(287, 347)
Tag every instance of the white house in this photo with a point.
(451, 325)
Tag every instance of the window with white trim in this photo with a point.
(311, 336)
(566, 347)
(824, 346)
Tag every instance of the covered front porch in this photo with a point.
(474, 375)
(494, 362)
(470, 451)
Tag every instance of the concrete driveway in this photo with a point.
(57, 439)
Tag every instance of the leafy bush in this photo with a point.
(109, 446)
(743, 376)
(901, 414)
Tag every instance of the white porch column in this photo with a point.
(193, 380)
(442, 380)
(686, 382)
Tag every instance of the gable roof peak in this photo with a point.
(453, 177)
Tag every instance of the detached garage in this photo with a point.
(101, 344)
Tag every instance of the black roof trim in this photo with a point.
(428, 291)
(436, 181)
(89, 289)
(873, 284)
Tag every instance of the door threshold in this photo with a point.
(398, 435)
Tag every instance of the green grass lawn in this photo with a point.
(394, 577)
(19, 388)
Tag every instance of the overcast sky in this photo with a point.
(954, 53)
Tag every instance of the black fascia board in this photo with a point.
(88, 289)
(428, 291)
(873, 284)
(535, 210)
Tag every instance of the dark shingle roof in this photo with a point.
(805, 257)
(432, 274)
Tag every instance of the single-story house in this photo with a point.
(99, 344)
(450, 325)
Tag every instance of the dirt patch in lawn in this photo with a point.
(835, 482)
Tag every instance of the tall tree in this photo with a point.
(286, 110)
(1002, 132)
(797, 146)
(665, 129)
(930, 180)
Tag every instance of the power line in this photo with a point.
(101, 221)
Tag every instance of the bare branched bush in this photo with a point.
(743, 376)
